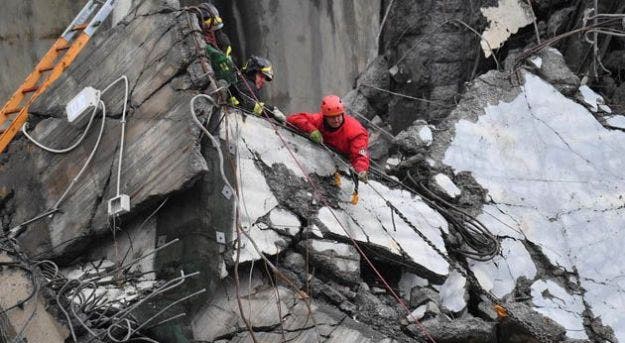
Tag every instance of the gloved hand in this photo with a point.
(232, 101)
(363, 176)
(258, 108)
(316, 137)
(278, 115)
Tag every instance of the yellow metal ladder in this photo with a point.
(62, 53)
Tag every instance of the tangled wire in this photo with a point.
(99, 302)
(482, 245)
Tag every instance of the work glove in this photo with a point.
(232, 101)
(363, 176)
(278, 115)
(258, 108)
(316, 137)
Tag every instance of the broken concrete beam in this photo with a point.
(161, 154)
(458, 330)
(150, 50)
(340, 260)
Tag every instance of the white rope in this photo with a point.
(84, 134)
(71, 147)
(55, 208)
(123, 121)
(217, 147)
(84, 167)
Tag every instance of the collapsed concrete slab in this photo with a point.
(270, 175)
(554, 194)
(157, 52)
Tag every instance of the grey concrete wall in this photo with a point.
(27, 30)
(317, 47)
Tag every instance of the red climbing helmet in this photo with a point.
(331, 106)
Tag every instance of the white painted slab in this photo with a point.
(554, 302)
(557, 174)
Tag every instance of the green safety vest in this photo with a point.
(222, 65)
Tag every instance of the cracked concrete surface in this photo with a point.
(274, 315)
(369, 222)
(152, 167)
(549, 186)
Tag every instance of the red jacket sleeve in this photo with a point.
(359, 152)
(307, 122)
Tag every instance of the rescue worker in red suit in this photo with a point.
(338, 130)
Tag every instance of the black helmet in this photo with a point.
(210, 16)
(259, 64)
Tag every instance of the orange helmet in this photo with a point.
(331, 106)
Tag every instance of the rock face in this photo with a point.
(550, 65)
(340, 260)
(414, 139)
(463, 330)
(429, 59)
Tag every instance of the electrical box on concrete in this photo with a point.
(84, 100)
(119, 205)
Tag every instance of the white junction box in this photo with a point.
(87, 98)
(119, 205)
